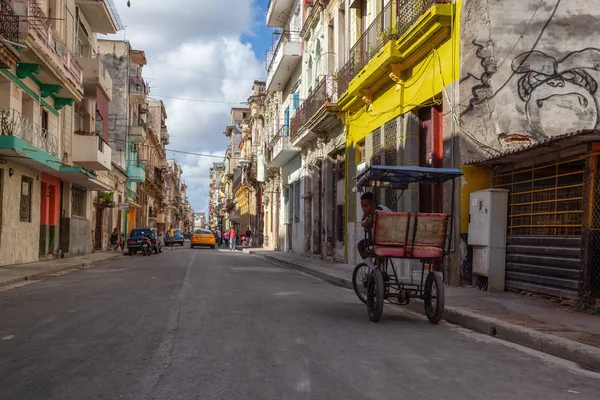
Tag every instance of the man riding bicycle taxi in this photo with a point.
(369, 208)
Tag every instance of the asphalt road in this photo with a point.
(209, 324)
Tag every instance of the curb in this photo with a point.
(40, 275)
(585, 355)
(334, 280)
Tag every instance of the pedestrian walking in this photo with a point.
(219, 238)
(226, 237)
(232, 238)
(248, 236)
(171, 237)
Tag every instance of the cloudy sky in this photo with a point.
(198, 50)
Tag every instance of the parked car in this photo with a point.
(177, 239)
(203, 237)
(141, 239)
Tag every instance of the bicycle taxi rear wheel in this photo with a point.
(360, 279)
(375, 295)
(433, 297)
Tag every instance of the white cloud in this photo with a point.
(190, 46)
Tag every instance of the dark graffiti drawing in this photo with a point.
(482, 91)
(560, 96)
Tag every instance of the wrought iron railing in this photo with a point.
(282, 132)
(286, 36)
(37, 22)
(131, 195)
(137, 85)
(386, 26)
(9, 22)
(313, 14)
(409, 11)
(237, 178)
(325, 93)
(12, 123)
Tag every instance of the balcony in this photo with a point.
(9, 30)
(312, 12)
(94, 76)
(316, 113)
(137, 134)
(164, 135)
(136, 171)
(433, 18)
(278, 11)
(26, 142)
(130, 195)
(101, 15)
(44, 47)
(280, 150)
(282, 60)
(90, 151)
(237, 178)
(137, 90)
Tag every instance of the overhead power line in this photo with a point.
(198, 100)
(202, 73)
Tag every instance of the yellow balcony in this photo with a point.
(393, 43)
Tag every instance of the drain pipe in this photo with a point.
(61, 251)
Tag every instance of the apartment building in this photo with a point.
(54, 151)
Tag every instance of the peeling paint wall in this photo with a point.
(19, 240)
(527, 68)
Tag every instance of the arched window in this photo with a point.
(318, 60)
(310, 74)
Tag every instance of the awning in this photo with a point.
(22, 152)
(552, 145)
(81, 177)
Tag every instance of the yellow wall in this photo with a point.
(421, 84)
(474, 178)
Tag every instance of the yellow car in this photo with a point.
(203, 237)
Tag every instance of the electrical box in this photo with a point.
(487, 234)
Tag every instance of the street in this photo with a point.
(213, 324)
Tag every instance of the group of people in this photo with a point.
(232, 236)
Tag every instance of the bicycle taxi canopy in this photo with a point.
(399, 177)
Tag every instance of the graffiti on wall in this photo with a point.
(536, 80)
(551, 88)
(483, 90)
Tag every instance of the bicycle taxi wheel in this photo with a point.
(360, 279)
(433, 297)
(375, 295)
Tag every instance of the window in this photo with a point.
(310, 74)
(79, 201)
(318, 60)
(297, 201)
(45, 120)
(25, 210)
(361, 152)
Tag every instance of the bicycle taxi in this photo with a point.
(405, 235)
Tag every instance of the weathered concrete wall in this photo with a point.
(116, 60)
(528, 68)
(78, 233)
(19, 241)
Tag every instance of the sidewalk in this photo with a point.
(14, 274)
(529, 321)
